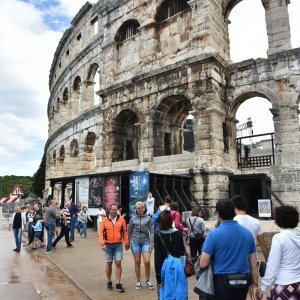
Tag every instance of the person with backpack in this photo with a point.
(169, 247)
(165, 206)
(196, 227)
(141, 234)
(112, 232)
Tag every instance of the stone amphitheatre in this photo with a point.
(149, 85)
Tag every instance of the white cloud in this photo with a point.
(27, 48)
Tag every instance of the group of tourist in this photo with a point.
(58, 224)
(229, 249)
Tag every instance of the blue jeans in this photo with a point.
(50, 233)
(72, 228)
(83, 232)
(18, 237)
(29, 231)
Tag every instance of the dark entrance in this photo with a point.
(252, 187)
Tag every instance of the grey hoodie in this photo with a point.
(140, 229)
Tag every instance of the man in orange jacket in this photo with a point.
(112, 232)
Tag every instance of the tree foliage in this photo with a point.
(39, 178)
(8, 182)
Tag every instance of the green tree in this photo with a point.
(39, 178)
(8, 182)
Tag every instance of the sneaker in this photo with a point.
(70, 246)
(49, 251)
(109, 286)
(138, 285)
(15, 249)
(18, 250)
(149, 284)
(119, 288)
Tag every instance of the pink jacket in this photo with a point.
(177, 220)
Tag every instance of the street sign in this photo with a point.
(17, 191)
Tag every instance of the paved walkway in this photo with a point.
(76, 273)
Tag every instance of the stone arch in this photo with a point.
(88, 156)
(126, 135)
(65, 95)
(76, 96)
(238, 99)
(54, 157)
(74, 148)
(228, 6)
(169, 8)
(93, 85)
(127, 30)
(72, 158)
(62, 153)
(168, 125)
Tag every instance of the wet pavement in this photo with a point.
(31, 275)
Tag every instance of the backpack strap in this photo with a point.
(163, 243)
(192, 225)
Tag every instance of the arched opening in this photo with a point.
(247, 29)
(254, 132)
(170, 125)
(89, 155)
(73, 158)
(170, 8)
(62, 154)
(128, 29)
(93, 84)
(174, 29)
(65, 95)
(125, 136)
(127, 49)
(77, 88)
(74, 149)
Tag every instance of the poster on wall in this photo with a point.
(96, 188)
(264, 208)
(138, 189)
(82, 190)
(112, 190)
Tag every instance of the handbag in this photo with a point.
(185, 259)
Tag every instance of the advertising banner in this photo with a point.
(96, 188)
(138, 189)
(264, 208)
(112, 190)
(82, 190)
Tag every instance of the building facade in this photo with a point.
(128, 74)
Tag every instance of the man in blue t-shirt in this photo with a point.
(232, 250)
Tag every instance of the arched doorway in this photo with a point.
(171, 125)
(125, 136)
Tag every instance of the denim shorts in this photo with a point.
(137, 248)
(114, 252)
(37, 234)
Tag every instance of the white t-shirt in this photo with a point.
(101, 214)
(150, 205)
(250, 223)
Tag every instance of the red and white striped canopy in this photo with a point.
(9, 199)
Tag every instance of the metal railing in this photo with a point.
(253, 151)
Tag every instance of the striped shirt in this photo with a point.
(65, 213)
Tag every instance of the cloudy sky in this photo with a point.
(29, 34)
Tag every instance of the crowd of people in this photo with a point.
(229, 250)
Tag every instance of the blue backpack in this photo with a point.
(154, 220)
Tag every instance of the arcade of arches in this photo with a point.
(169, 94)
